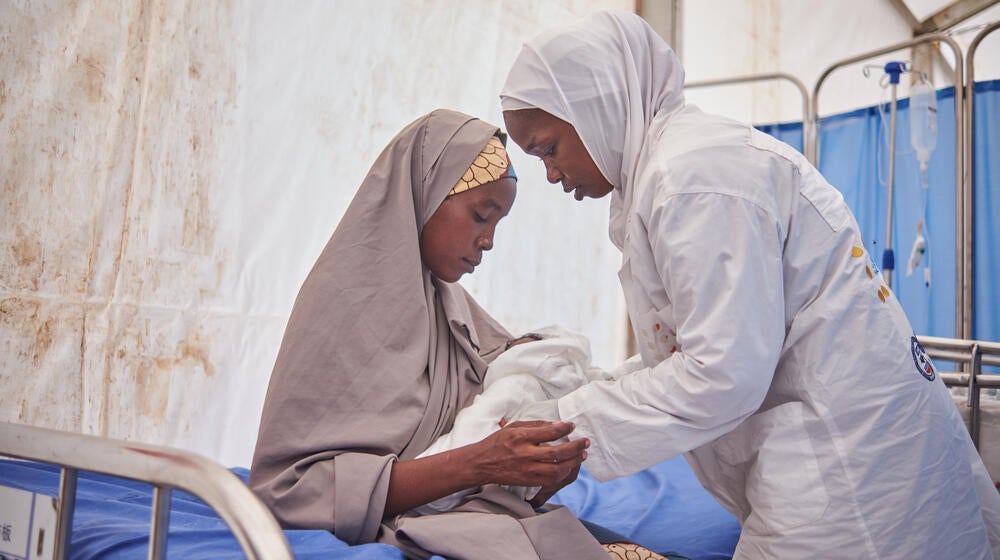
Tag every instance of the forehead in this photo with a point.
(498, 194)
(524, 125)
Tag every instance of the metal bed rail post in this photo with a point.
(806, 124)
(962, 306)
(974, 402)
(160, 523)
(67, 502)
(967, 207)
(253, 525)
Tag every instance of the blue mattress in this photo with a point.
(663, 508)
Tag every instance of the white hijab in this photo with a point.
(608, 75)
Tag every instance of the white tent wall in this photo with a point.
(736, 37)
(171, 169)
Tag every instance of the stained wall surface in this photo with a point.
(170, 171)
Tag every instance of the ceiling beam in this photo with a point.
(907, 15)
(952, 14)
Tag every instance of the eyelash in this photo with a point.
(549, 152)
(479, 218)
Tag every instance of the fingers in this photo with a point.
(539, 431)
(525, 454)
(573, 451)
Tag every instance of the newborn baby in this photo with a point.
(557, 363)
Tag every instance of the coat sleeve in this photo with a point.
(719, 259)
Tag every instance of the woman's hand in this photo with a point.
(519, 455)
(515, 455)
(547, 492)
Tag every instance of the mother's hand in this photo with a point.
(519, 455)
(547, 492)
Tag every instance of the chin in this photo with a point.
(447, 279)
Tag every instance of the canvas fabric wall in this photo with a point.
(171, 170)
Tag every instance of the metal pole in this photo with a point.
(67, 503)
(977, 366)
(159, 523)
(888, 258)
(964, 328)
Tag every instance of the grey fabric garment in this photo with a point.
(377, 358)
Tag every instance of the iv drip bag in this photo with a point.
(923, 121)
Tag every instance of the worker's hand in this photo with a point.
(521, 454)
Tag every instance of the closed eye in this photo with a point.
(479, 218)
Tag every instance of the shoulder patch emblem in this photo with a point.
(921, 359)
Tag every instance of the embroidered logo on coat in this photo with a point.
(921, 359)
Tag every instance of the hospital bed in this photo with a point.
(118, 499)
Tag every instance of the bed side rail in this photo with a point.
(969, 357)
(164, 468)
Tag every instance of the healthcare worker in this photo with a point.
(771, 352)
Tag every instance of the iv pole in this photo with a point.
(893, 69)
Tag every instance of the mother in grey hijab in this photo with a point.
(381, 351)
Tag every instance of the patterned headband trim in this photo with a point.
(490, 165)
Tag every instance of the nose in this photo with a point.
(552, 174)
(485, 243)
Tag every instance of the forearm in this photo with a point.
(420, 481)
(514, 455)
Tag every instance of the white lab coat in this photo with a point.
(773, 355)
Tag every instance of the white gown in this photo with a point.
(775, 357)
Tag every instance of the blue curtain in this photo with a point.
(986, 202)
(853, 156)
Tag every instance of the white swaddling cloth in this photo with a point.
(547, 368)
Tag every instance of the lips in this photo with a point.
(575, 190)
(473, 264)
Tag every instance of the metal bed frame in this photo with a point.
(253, 525)
(973, 354)
(807, 134)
